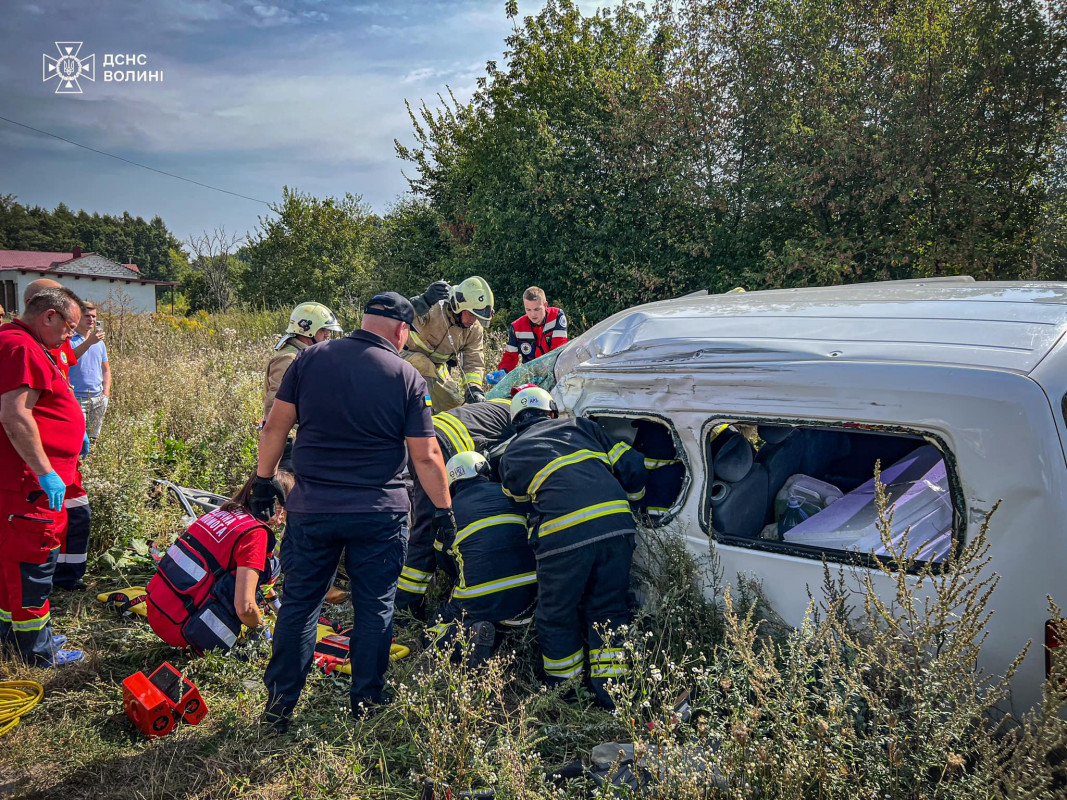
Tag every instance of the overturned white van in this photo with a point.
(958, 389)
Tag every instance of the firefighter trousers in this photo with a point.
(422, 559)
(582, 596)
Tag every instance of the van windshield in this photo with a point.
(540, 371)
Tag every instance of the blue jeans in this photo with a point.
(374, 546)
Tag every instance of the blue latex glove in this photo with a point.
(493, 378)
(85, 447)
(54, 488)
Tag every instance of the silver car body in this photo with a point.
(979, 368)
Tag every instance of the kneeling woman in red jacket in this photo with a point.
(205, 585)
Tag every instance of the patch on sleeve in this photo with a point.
(429, 402)
(561, 320)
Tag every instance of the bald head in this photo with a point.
(392, 330)
(33, 287)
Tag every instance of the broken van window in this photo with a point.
(811, 490)
(667, 473)
(539, 371)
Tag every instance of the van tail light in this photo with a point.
(1055, 633)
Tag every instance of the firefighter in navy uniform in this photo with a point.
(496, 578)
(581, 484)
(471, 428)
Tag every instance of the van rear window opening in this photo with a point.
(668, 475)
(810, 490)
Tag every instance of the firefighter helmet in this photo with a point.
(473, 295)
(535, 399)
(463, 466)
(308, 319)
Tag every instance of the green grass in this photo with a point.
(887, 708)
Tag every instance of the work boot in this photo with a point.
(279, 723)
(483, 637)
(336, 596)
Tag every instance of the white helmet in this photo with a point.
(463, 466)
(473, 295)
(308, 319)
(534, 398)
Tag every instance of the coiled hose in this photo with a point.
(17, 698)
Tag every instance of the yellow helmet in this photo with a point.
(534, 398)
(473, 295)
(463, 466)
(308, 319)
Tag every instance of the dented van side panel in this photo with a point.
(999, 429)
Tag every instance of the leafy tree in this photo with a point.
(125, 239)
(310, 250)
(410, 248)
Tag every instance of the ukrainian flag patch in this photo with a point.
(429, 402)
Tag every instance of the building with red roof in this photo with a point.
(109, 284)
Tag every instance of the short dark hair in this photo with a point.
(56, 298)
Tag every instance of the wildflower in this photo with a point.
(955, 762)
(740, 732)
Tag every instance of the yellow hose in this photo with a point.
(17, 698)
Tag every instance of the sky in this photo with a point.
(256, 95)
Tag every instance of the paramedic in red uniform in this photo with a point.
(42, 433)
(540, 330)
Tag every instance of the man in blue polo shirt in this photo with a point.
(359, 404)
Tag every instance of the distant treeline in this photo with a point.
(636, 154)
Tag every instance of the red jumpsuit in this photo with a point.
(528, 341)
(29, 530)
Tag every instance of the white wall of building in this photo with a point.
(109, 294)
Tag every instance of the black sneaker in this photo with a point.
(279, 723)
(483, 637)
(77, 586)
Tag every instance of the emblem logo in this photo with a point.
(526, 348)
(69, 68)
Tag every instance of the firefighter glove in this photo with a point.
(443, 527)
(265, 491)
(435, 293)
(473, 394)
(493, 378)
(55, 489)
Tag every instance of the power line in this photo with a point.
(134, 163)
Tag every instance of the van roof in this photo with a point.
(1010, 325)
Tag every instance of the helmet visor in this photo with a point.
(485, 313)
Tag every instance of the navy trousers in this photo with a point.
(581, 596)
(74, 547)
(373, 546)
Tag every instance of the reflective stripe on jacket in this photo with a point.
(439, 336)
(497, 578)
(579, 481)
(476, 427)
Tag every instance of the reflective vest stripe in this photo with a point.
(488, 522)
(656, 463)
(504, 401)
(472, 378)
(34, 624)
(74, 502)
(566, 667)
(482, 589)
(607, 662)
(5, 616)
(516, 497)
(509, 348)
(633, 497)
(617, 452)
(586, 514)
(525, 335)
(444, 426)
(414, 580)
(562, 461)
(218, 627)
(72, 558)
(195, 572)
(415, 339)
(461, 431)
